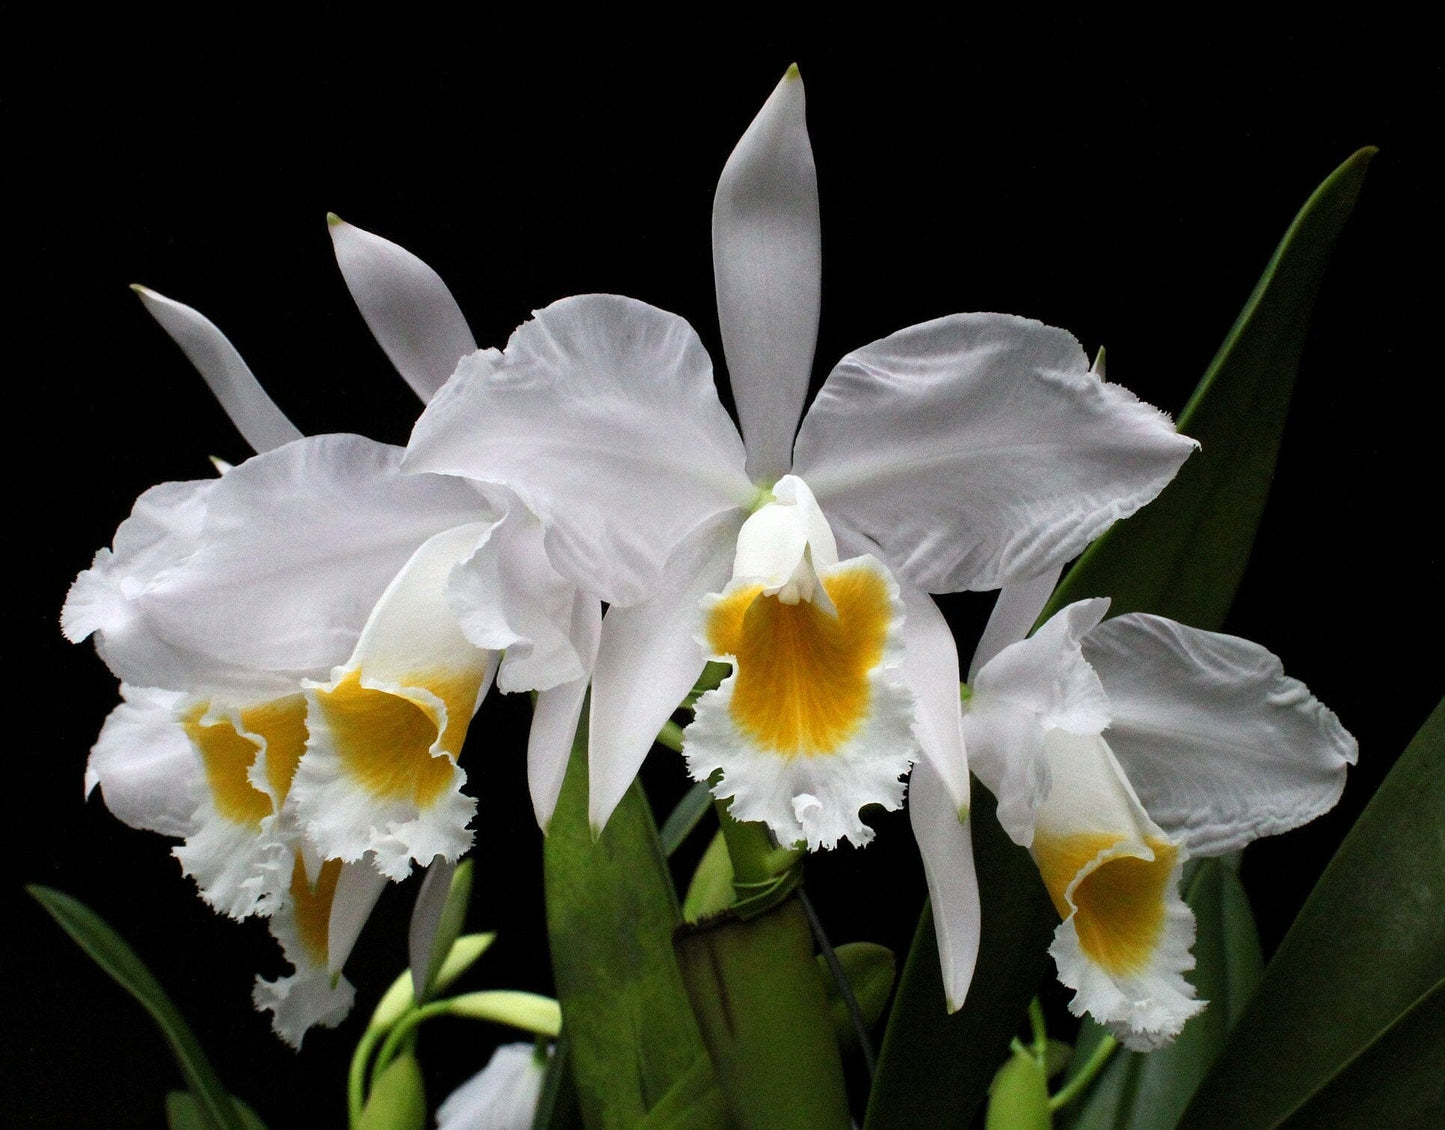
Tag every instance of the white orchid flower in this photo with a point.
(501, 1096)
(1117, 750)
(956, 454)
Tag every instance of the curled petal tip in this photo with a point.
(792, 73)
(143, 291)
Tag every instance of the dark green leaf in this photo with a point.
(398, 1101)
(183, 1112)
(1144, 1092)
(557, 1104)
(1367, 945)
(696, 1102)
(935, 1069)
(108, 950)
(1397, 1081)
(690, 810)
(611, 911)
(1184, 554)
(764, 1015)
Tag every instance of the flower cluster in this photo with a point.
(303, 641)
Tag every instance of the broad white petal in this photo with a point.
(1014, 611)
(930, 668)
(380, 772)
(555, 716)
(946, 846)
(407, 307)
(979, 449)
(815, 722)
(1047, 674)
(1222, 746)
(507, 597)
(260, 422)
(145, 765)
(648, 660)
(602, 416)
(767, 262)
(1005, 750)
(298, 546)
(501, 1096)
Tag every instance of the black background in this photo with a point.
(1127, 181)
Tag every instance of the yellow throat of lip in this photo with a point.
(802, 684)
(1118, 907)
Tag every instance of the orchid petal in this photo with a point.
(297, 548)
(556, 713)
(602, 416)
(260, 422)
(978, 449)
(501, 1096)
(380, 772)
(1046, 674)
(357, 890)
(1221, 745)
(506, 596)
(767, 262)
(930, 668)
(407, 307)
(145, 766)
(1014, 612)
(946, 847)
(648, 660)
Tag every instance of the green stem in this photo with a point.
(356, 1077)
(1040, 1030)
(671, 736)
(404, 1028)
(1075, 1086)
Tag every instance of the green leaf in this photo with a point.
(934, 1069)
(1396, 1081)
(711, 888)
(611, 912)
(869, 969)
(183, 1112)
(1367, 947)
(108, 950)
(1184, 554)
(685, 817)
(398, 1100)
(1018, 1098)
(436, 922)
(760, 1002)
(696, 1102)
(1143, 1092)
(557, 1104)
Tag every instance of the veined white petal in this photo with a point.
(602, 416)
(501, 1096)
(260, 422)
(380, 772)
(407, 307)
(1014, 611)
(507, 597)
(930, 668)
(647, 661)
(1047, 675)
(1222, 746)
(1113, 875)
(297, 547)
(145, 765)
(767, 262)
(946, 846)
(978, 449)
(815, 721)
(313, 994)
(556, 713)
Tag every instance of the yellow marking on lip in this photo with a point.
(802, 675)
(227, 756)
(385, 740)
(312, 907)
(282, 722)
(1120, 904)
